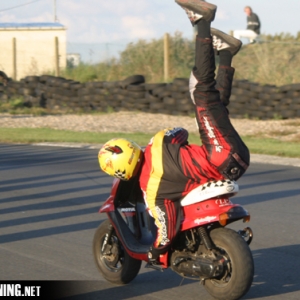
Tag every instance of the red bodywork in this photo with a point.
(194, 215)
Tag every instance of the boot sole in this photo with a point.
(234, 43)
(205, 9)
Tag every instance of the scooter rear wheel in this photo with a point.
(112, 260)
(239, 267)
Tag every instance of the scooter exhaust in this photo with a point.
(201, 267)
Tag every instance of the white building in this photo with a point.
(32, 48)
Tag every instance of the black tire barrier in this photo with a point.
(248, 99)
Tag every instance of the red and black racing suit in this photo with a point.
(172, 167)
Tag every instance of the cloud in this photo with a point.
(107, 8)
(120, 8)
(222, 15)
(138, 27)
(43, 17)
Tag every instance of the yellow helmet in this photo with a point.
(120, 158)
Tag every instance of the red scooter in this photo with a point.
(204, 249)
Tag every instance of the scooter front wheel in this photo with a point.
(112, 260)
(238, 266)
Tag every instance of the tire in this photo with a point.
(118, 267)
(153, 86)
(44, 78)
(135, 79)
(142, 101)
(245, 85)
(184, 101)
(152, 99)
(75, 85)
(169, 101)
(94, 85)
(136, 95)
(186, 107)
(32, 79)
(286, 114)
(156, 106)
(184, 89)
(290, 87)
(181, 81)
(136, 88)
(239, 277)
(111, 84)
(158, 90)
(165, 93)
(141, 106)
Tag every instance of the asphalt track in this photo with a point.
(49, 201)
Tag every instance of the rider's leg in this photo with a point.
(167, 220)
(224, 147)
(225, 47)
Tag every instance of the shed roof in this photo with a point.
(49, 25)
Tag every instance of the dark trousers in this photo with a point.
(223, 145)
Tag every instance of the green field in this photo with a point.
(37, 135)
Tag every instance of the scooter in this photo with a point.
(204, 249)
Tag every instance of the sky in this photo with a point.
(117, 22)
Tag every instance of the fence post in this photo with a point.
(166, 57)
(56, 56)
(14, 57)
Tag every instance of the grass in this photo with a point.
(37, 135)
(272, 147)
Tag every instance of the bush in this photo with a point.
(271, 62)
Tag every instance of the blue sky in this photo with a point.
(121, 21)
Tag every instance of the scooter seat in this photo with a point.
(209, 190)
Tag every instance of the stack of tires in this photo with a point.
(289, 105)
(248, 99)
(2, 94)
(13, 90)
(172, 98)
(57, 93)
(42, 91)
(131, 94)
(115, 95)
(257, 101)
(91, 96)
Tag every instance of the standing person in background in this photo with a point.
(253, 26)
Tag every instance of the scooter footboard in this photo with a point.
(147, 227)
(133, 247)
(218, 210)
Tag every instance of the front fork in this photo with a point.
(106, 247)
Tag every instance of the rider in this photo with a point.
(170, 167)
